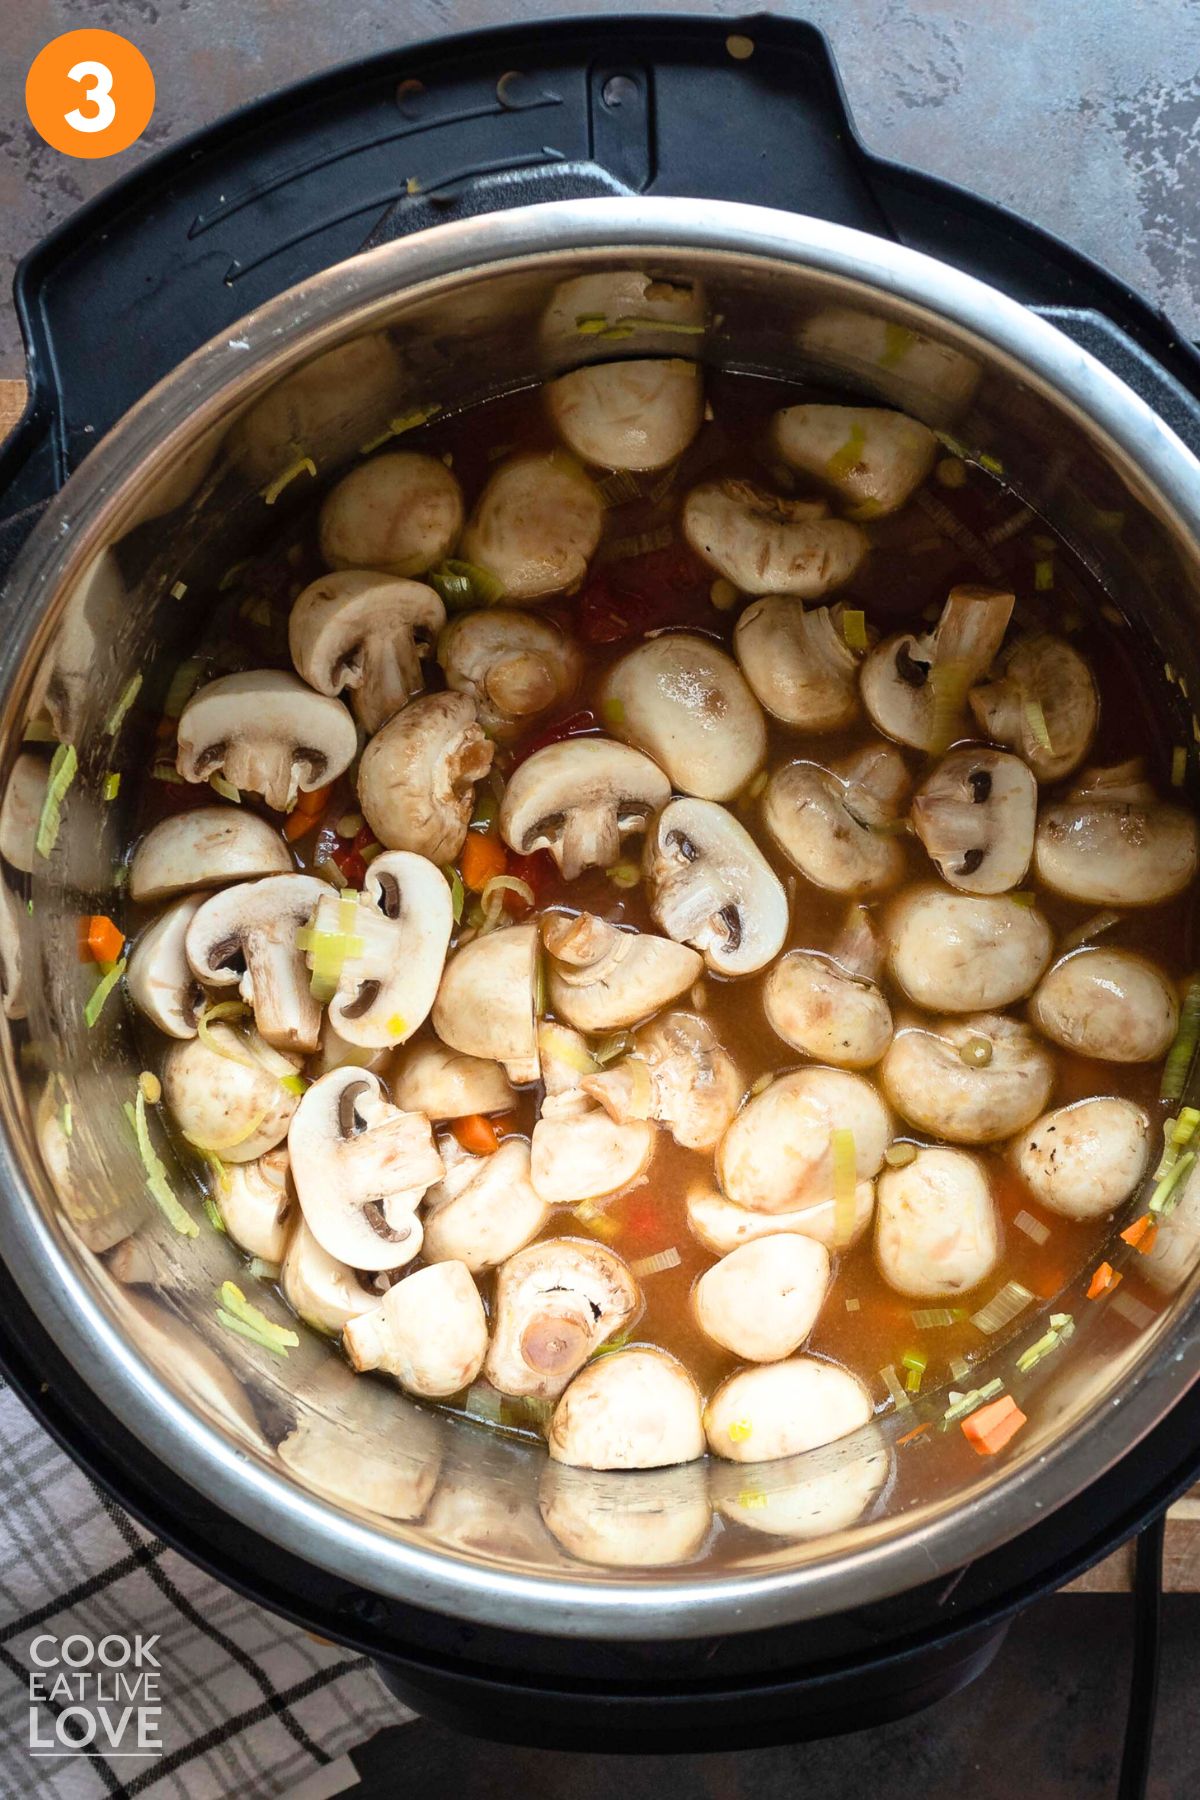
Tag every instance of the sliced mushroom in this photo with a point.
(12, 983)
(721, 1226)
(578, 799)
(1110, 1004)
(396, 949)
(830, 1007)
(227, 1095)
(1043, 704)
(158, 976)
(443, 1084)
(838, 824)
(766, 544)
(679, 1074)
(602, 978)
(536, 525)
(965, 952)
(710, 886)
(653, 1520)
(245, 937)
(399, 513)
(416, 780)
(1113, 842)
(267, 733)
(365, 632)
(915, 688)
(971, 1080)
(484, 1006)
(975, 815)
(256, 1205)
(936, 1228)
(798, 662)
(484, 1209)
(361, 1168)
(208, 847)
(333, 1052)
(429, 1332)
(513, 665)
(555, 1303)
(1085, 1160)
(762, 1300)
(323, 1292)
(579, 1152)
(783, 1408)
(636, 1409)
(686, 703)
(814, 1501)
(777, 1155)
(871, 457)
(21, 810)
(628, 415)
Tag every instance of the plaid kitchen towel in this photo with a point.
(103, 1617)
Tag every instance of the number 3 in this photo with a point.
(98, 94)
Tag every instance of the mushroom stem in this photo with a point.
(277, 988)
(591, 840)
(521, 684)
(390, 677)
(263, 768)
(857, 947)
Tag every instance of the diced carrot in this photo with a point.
(306, 812)
(910, 1435)
(483, 857)
(476, 1133)
(1148, 1242)
(104, 943)
(989, 1428)
(1104, 1279)
(1133, 1234)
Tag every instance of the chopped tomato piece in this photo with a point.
(483, 858)
(626, 599)
(989, 1428)
(576, 724)
(349, 857)
(476, 1133)
(537, 872)
(103, 943)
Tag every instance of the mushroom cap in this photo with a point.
(722, 1226)
(352, 1459)
(766, 544)
(710, 886)
(334, 1052)
(870, 456)
(578, 799)
(399, 513)
(555, 1303)
(429, 1332)
(255, 923)
(1046, 672)
(579, 1152)
(485, 1208)
(929, 1079)
(1110, 1004)
(975, 814)
(915, 688)
(1113, 842)
(680, 1075)
(536, 525)
(208, 847)
(268, 733)
(12, 985)
(158, 977)
(416, 780)
(603, 978)
(21, 809)
(229, 1100)
(656, 1519)
(891, 359)
(332, 401)
(642, 303)
(1086, 1159)
(364, 631)
(321, 1290)
(762, 1299)
(632, 1409)
(798, 663)
(965, 952)
(256, 1205)
(780, 1409)
(936, 1228)
(825, 1013)
(777, 1154)
(404, 918)
(681, 699)
(806, 1504)
(484, 1006)
(513, 665)
(628, 415)
(832, 822)
(444, 1084)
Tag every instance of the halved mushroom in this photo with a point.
(158, 976)
(936, 1228)
(782, 1408)
(602, 978)
(710, 886)
(443, 1084)
(650, 1520)
(1110, 1004)
(1043, 703)
(387, 959)
(361, 1168)
(21, 809)
(635, 1409)
(12, 984)
(227, 1095)
(399, 513)
(578, 1152)
(871, 457)
(628, 415)
(778, 1153)
(429, 1332)
(767, 544)
(484, 1006)
(245, 937)
(829, 1491)
(965, 952)
(267, 733)
(679, 1074)
(256, 1206)
(334, 1052)
(365, 632)
(799, 663)
(208, 847)
(536, 525)
(1113, 842)
(686, 703)
(838, 824)
(975, 815)
(484, 1209)
(1085, 1160)
(721, 1226)
(762, 1300)
(321, 1290)
(578, 799)
(512, 664)
(416, 780)
(971, 1080)
(830, 1006)
(555, 1303)
(915, 688)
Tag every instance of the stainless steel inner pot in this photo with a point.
(114, 583)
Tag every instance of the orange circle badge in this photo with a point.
(90, 93)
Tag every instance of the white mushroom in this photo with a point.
(416, 780)
(267, 733)
(1043, 704)
(685, 702)
(443, 1084)
(915, 688)
(227, 1095)
(158, 976)
(871, 457)
(633, 303)
(602, 978)
(838, 824)
(578, 799)
(330, 405)
(21, 810)
(578, 1152)
(536, 525)
(361, 1168)
(555, 1303)
(484, 1006)
(334, 1052)
(762, 1300)
(1113, 842)
(256, 1205)
(660, 1519)
(721, 1226)
(679, 1074)
(245, 937)
(970, 1080)
(365, 632)
(12, 984)
(936, 1228)
(1171, 1260)
(429, 1332)
(975, 814)
(766, 544)
(890, 359)
(965, 952)
(783, 1408)
(1085, 1160)
(830, 1007)
(1110, 1004)
(399, 513)
(710, 886)
(828, 1491)
(634, 1409)
(778, 1154)
(628, 415)
(513, 665)
(484, 1209)
(354, 1457)
(387, 957)
(798, 662)
(323, 1292)
(207, 847)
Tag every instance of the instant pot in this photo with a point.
(409, 234)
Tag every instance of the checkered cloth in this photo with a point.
(250, 1704)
